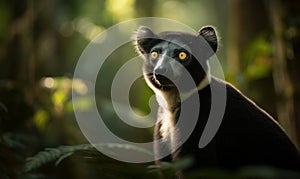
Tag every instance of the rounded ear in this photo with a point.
(143, 39)
(209, 34)
(144, 32)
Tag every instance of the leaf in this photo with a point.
(52, 154)
(63, 157)
(179, 164)
(60, 153)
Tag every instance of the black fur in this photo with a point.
(247, 135)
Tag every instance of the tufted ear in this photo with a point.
(144, 39)
(209, 34)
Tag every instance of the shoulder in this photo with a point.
(232, 93)
(239, 107)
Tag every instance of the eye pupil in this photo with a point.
(182, 55)
(154, 55)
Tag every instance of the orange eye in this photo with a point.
(154, 55)
(182, 55)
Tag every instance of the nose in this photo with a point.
(160, 70)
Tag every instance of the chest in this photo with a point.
(169, 132)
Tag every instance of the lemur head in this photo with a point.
(168, 54)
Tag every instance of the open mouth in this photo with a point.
(161, 81)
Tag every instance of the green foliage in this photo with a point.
(106, 167)
(264, 172)
(258, 60)
(169, 169)
(251, 172)
(166, 169)
(11, 155)
(62, 152)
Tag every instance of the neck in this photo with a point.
(172, 99)
(205, 82)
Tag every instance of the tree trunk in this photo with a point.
(244, 27)
(286, 64)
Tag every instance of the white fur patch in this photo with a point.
(167, 125)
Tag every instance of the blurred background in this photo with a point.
(41, 42)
